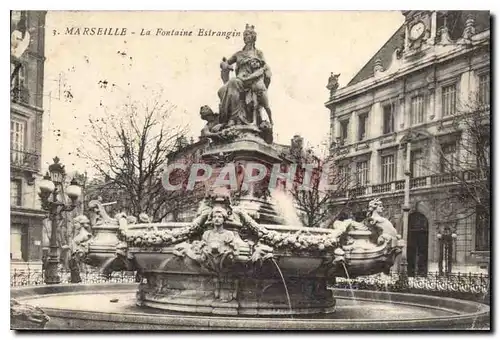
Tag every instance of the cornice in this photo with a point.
(438, 54)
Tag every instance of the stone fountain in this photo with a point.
(238, 258)
(225, 262)
(238, 263)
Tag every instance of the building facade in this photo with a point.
(412, 89)
(27, 74)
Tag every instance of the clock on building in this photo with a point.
(417, 30)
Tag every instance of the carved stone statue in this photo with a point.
(98, 213)
(213, 128)
(242, 97)
(225, 70)
(24, 316)
(218, 239)
(469, 29)
(79, 244)
(385, 227)
(333, 83)
(79, 247)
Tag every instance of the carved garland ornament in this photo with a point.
(293, 241)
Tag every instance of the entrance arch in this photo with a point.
(418, 244)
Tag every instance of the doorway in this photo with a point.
(418, 244)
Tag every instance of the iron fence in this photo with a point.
(32, 277)
(459, 285)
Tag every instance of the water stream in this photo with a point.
(286, 288)
(164, 263)
(106, 264)
(350, 284)
(387, 289)
(285, 206)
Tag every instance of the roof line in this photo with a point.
(374, 55)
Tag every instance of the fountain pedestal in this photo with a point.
(253, 196)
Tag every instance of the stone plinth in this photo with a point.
(234, 295)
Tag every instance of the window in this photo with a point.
(362, 173)
(15, 192)
(344, 131)
(484, 89)
(389, 112)
(482, 150)
(362, 125)
(417, 163)
(388, 169)
(448, 160)
(17, 137)
(465, 236)
(343, 172)
(417, 110)
(449, 101)
(482, 229)
(486, 153)
(19, 91)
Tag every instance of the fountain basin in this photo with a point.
(363, 259)
(84, 307)
(286, 275)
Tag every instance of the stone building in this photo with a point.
(434, 65)
(27, 74)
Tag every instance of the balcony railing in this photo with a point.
(377, 189)
(423, 182)
(418, 182)
(443, 179)
(19, 94)
(399, 185)
(24, 160)
(359, 191)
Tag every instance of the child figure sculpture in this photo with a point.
(225, 70)
(256, 82)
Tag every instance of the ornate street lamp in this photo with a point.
(53, 197)
(446, 235)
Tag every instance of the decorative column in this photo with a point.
(374, 177)
(431, 92)
(432, 38)
(375, 119)
(353, 125)
(407, 34)
(464, 98)
(333, 129)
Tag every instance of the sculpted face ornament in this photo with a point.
(82, 221)
(219, 215)
(375, 206)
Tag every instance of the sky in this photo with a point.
(302, 48)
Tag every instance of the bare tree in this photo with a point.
(130, 149)
(464, 163)
(319, 184)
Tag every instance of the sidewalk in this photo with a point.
(26, 265)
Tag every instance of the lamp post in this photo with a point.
(53, 197)
(403, 270)
(446, 236)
